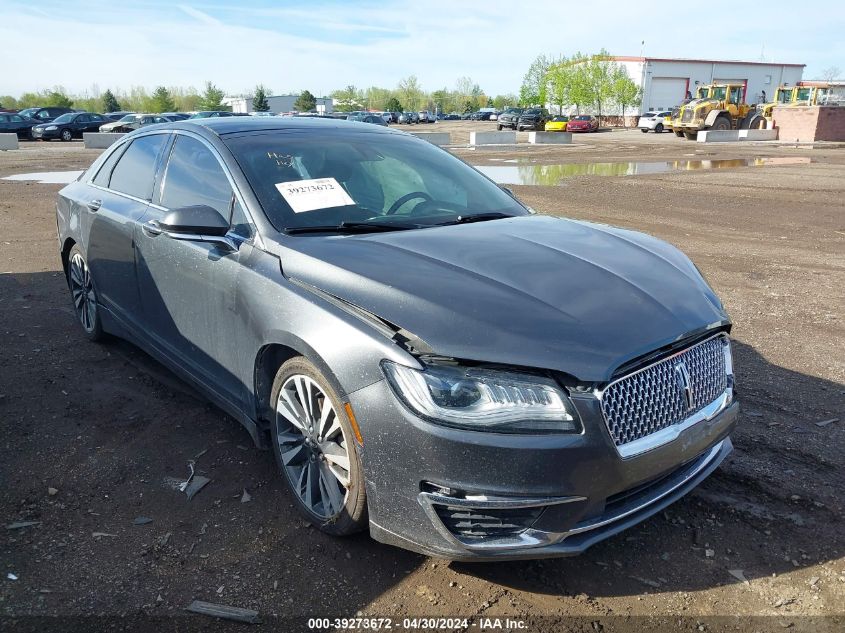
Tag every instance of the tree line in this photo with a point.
(594, 81)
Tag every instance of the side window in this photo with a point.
(135, 171)
(44, 114)
(239, 222)
(82, 118)
(194, 176)
(102, 177)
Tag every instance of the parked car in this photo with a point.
(452, 116)
(466, 116)
(133, 122)
(211, 114)
(494, 116)
(557, 123)
(533, 119)
(182, 116)
(583, 123)
(117, 116)
(69, 126)
(409, 117)
(387, 116)
(653, 121)
(11, 123)
(401, 334)
(44, 115)
(376, 119)
(509, 118)
(427, 117)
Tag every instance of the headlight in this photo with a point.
(483, 400)
(50, 128)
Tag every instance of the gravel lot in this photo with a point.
(90, 432)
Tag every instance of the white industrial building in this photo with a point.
(667, 82)
(277, 103)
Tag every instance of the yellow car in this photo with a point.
(557, 124)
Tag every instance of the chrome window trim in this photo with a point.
(671, 433)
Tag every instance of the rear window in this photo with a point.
(134, 173)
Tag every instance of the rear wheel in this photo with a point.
(316, 450)
(659, 128)
(83, 293)
(757, 122)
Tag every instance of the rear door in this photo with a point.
(119, 196)
(189, 288)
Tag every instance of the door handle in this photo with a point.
(151, 228)
(95, 205)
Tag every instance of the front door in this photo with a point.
(189, 288)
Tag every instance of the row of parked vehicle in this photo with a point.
(540, 119)
(66, 124)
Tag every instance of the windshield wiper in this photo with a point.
(478, 217)
(351, 227)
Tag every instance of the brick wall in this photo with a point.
(806, 124)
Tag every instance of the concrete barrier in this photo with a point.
(8, 141)
(100, 140)
(727, 136)
(550, 138)
(492, 138)
(436, 138)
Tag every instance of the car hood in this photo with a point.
(531, 291)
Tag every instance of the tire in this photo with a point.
(67, 135)
(83, 294)
(658, 129)
(313, 454)
(679, 134)
(721, 124)
(499, 127)
(644, 130)
(758, 122)
(690, 136)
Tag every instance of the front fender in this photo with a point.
(712, 116)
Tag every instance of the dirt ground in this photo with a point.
(89, 433)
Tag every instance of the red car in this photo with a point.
(583, 123)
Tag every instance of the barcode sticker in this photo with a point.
(312, 195)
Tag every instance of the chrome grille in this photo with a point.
(667, 392)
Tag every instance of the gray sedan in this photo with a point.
(427, 358)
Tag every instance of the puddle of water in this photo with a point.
(48, 177)
(554, 174)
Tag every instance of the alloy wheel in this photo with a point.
(313, 446)
(82, 290)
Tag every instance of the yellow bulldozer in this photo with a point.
(715, 107)
(819, 93)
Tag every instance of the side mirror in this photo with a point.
(198, 223)
(197, 220)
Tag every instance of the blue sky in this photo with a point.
(321, 46)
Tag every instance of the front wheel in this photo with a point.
(83, 293)
(67, 135)
(679, 133)
(316, 450)
(644, 130)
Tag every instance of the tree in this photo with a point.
(57, 97)
(110, 102)
(533, 89)
(305, 102)
(559, 80)
(624, 91)
(393, 105)
(162, 101)
(212, 98)
(831, 73)
(599, 71)
(348, 99)
(259, 99)
(500, 102)
(411, 92)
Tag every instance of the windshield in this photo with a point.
(719, 92)
(364, 177)
(702, 93)
(65, 118)
(129, 117)
(28, 112)
(802, 94)
(533, 111)
(583, 117)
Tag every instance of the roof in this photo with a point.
(223, 126)
(622, 58)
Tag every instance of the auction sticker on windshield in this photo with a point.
(311, 195)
